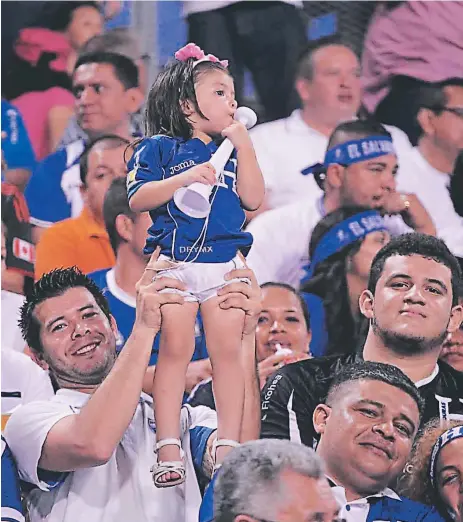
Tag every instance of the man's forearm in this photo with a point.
(90, 437)
(250, 428)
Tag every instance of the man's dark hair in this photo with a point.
(416, 244)
(374, 371)
(347, 131)
(433, 96)
(304, 307)
(111, 141)
(357, 129)
(115, 203)
(54, 284)
(124, 68)
(305, 67)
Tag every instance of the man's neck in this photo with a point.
(122, 130)
(128, 270)
(95, 216)
(315, 120)
(417, 366)
(441, 160)
(351, 493)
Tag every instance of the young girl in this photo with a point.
(192, 102)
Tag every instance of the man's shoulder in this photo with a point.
(319, 369)
(99, 277)
(300, 212)
(64, 157)
(449, 377)
(266, 130)
(65, 228)
(408, 510)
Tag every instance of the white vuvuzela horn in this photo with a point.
(194, 199)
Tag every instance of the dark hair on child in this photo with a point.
(174, 86)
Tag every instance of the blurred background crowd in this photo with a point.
(75, 76)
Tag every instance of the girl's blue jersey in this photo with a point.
(215, 239)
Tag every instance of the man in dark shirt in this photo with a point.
(412, 304)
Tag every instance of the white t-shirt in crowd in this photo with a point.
(286, 147)
(11, 334)
(432, 188)
(280, 249)
(121, 490)
(23, 381)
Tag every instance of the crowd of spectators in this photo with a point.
(352, 292)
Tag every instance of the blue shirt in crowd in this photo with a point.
(215, 239)
(16, 145)
(53, 192)
(12, 510)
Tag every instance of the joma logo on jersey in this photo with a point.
(182, 166)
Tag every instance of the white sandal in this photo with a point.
(169, 466)
(217, 443)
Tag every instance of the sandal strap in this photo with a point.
(217, 443)
(168, 442)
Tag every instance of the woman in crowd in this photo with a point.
(282, 336)
(38, 82)
(434, 474)
(341, 249)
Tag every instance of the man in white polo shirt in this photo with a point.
(328, 84)
(428, 167)
(87, 452)
(359, 168)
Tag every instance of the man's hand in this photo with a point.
(149, 298)
(243, 295)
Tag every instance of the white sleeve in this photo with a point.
(396, 225)
(26, 432)
(260, 141)
(273, 244)
(39, 387)
(202, 416)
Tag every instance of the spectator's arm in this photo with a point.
(90, 437)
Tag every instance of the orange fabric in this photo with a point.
(76, 241)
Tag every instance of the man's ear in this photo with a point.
(456, 318)
(366, 304)
(38, 358)
(134, 99)
(124, 225)
(320, 418)
(113, 323)
(303, 89)
(334, 175)
(425, 118)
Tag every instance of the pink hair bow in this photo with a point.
(191, 50)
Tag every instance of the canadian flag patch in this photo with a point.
(23, 250)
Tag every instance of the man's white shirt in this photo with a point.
(286, 147)
(280, 249)
(432, 188)
(121, 490)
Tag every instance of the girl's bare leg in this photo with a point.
(223, 329)
(175, 352)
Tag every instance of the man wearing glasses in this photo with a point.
(427, 169)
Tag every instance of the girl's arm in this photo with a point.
(250, 182)
(153, 194)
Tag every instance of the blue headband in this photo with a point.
(354, 151)
(443, 440)
(345, 233)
